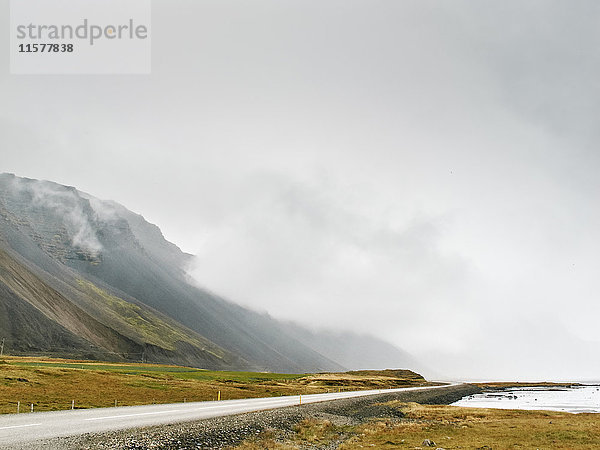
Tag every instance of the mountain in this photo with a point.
(84, 277)
(355, 351)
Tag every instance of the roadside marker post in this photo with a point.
(219, 396)
(72, 404)
(32, 407)
(300, 399)
(18, 407)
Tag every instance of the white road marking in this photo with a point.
(137, 414)
(202, 408)
(170, 411)
(20, 426)
(165, 412)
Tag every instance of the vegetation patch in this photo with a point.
(453, 427)
(309, 433)
(52, 384)
(315, 431)
(154, 330)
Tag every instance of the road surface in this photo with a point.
(26, 427)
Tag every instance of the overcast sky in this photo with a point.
(424, 171)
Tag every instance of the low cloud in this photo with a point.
(317, 254)
(66, 203)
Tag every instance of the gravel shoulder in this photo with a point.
(224, 432)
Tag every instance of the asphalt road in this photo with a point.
(26, 427)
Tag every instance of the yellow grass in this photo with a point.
(449, 427)
(310, 433)
(51, 384)
(453, 427)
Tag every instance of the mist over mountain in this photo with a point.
(84, 277)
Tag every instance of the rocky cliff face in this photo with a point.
(90, 276)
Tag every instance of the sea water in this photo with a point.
(575, 399)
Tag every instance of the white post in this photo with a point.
(115, 403)
(18, 407)
(72, 404)
(32, 407)
(2, 348)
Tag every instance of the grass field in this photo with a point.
(453, 427)
(447, 427)
(52, 384)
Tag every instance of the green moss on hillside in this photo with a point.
(152, 328)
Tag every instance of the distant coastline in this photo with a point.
(571, 398)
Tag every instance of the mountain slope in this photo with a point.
(95, 269)
(38, 318)
(359, 352)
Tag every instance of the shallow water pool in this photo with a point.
(579, 399)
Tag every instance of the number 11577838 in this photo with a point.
(48, 48)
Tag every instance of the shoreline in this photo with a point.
(500, 385)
